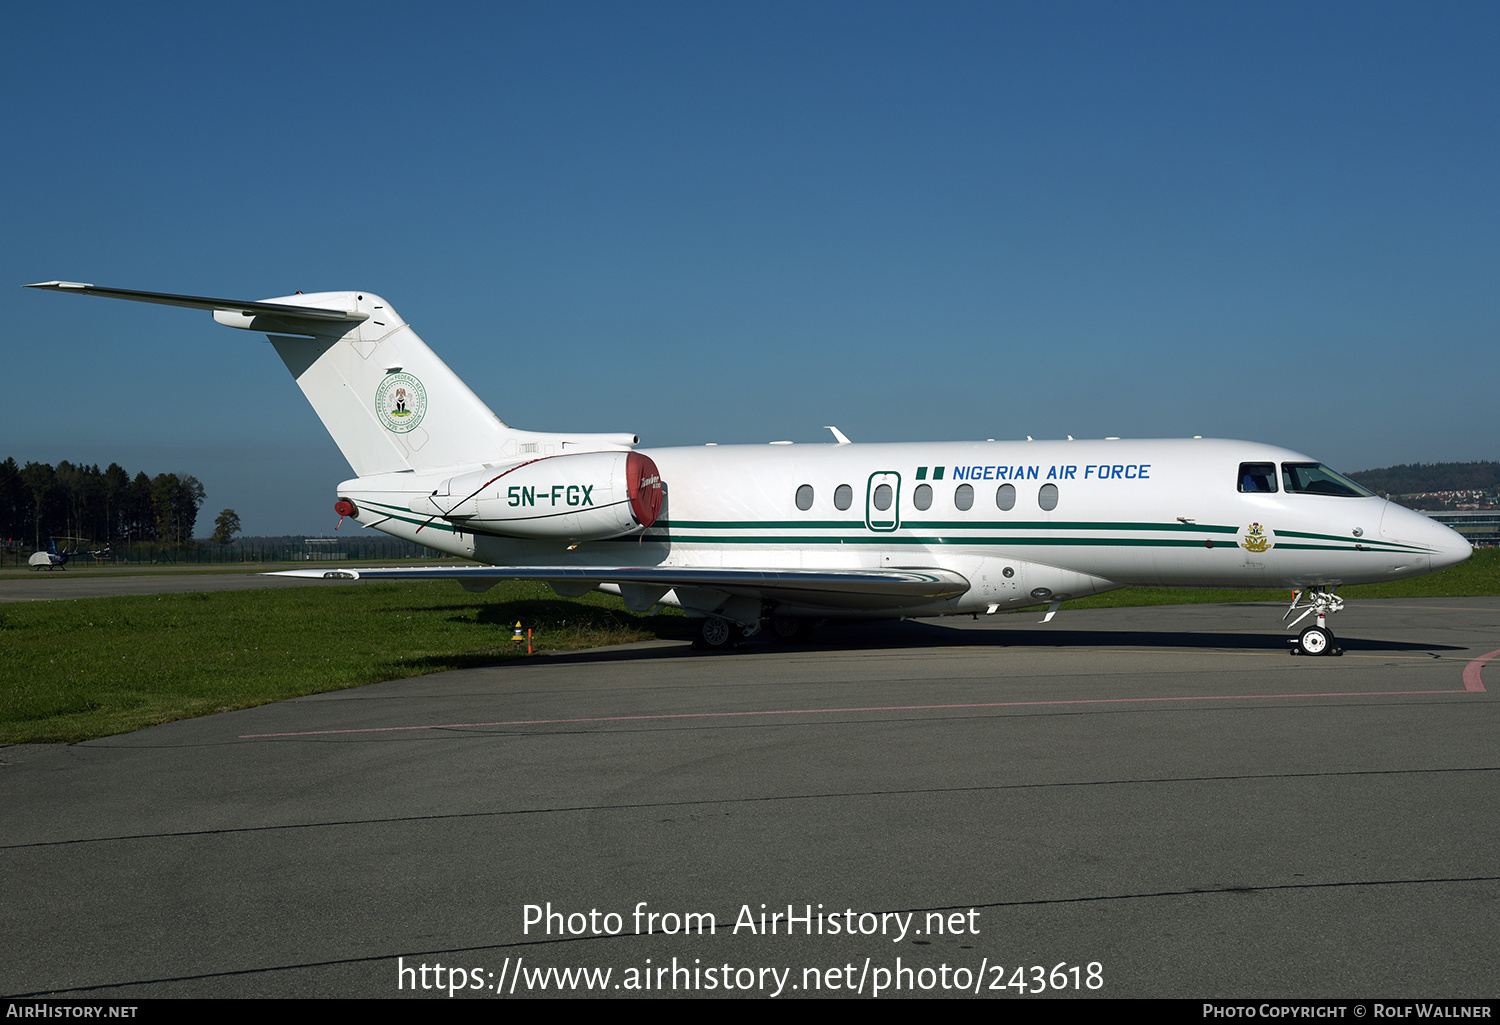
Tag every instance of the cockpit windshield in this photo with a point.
(1317, 479)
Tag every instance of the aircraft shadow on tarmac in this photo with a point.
(922, 634)
(908, 634)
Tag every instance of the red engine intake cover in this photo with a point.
(344, 507)
(644, 488)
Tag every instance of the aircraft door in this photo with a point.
(883, 501)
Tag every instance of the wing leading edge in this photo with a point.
(868, 588)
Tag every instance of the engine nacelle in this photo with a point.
(585, 497)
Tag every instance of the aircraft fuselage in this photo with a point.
(730, 533)
(1024, 522)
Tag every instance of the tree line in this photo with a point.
(1415, 478)
(39, 501)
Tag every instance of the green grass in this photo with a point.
(72, 670)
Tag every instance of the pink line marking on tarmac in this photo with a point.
(1472, 682)
(882, 708)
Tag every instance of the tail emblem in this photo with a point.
(400, 402)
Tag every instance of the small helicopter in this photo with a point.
(53, 559)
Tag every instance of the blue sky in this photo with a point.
(739, 222)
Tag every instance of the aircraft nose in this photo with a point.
(1452, 548)
(1448, 547)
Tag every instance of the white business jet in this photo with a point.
(797, 534)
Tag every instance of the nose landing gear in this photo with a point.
(1314, 640)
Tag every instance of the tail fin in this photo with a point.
(390, 403)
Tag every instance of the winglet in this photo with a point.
(838, 434)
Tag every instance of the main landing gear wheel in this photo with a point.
(1316, 640)
(716, 634)
(791, 629)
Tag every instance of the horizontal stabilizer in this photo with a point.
(391, 405)
(198, 302)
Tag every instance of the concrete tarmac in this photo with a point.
(1153, 802)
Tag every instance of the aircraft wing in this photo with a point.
(866, 588)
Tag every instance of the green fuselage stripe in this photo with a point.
(940, 525)
(663, 533)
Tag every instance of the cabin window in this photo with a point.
(1005, 497)
(1047, 497)
(1317, 479)
(805, 497)
(1256, 477)
(843, 497)
(883, 497)
(964, 497)
(922, 497)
